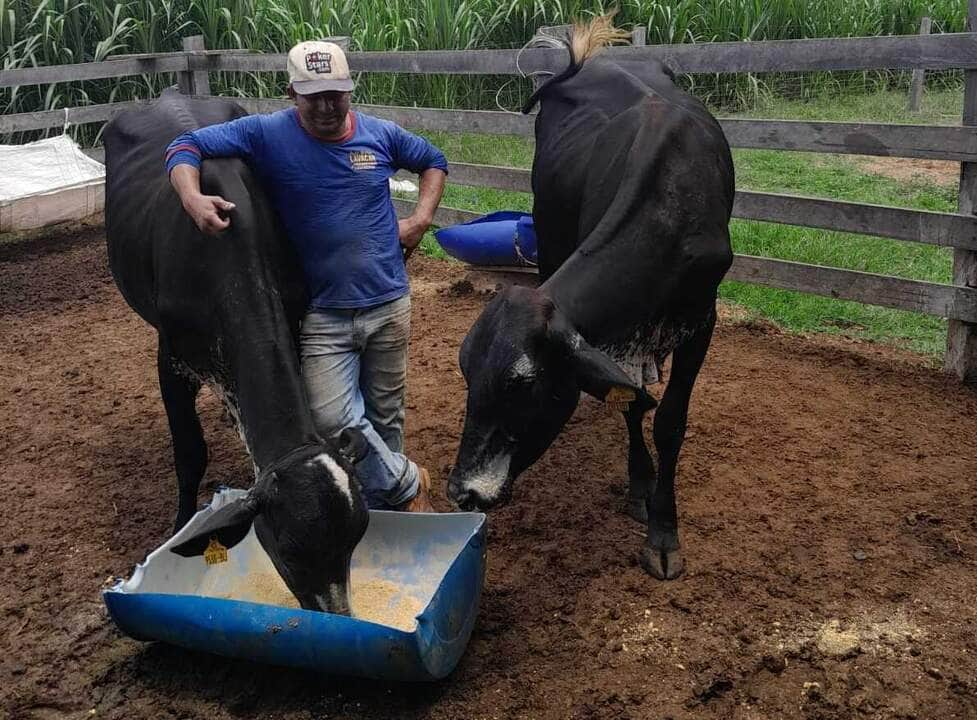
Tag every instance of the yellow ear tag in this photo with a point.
(618, 397)
(215, 553)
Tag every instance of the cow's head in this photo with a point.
(525, 366)
(308, 515)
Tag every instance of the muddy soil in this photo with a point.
(938, 172)
(826, 492)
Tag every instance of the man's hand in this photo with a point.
(412, 229)
(205, 210)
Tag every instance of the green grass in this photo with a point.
(832, 176)
(940, 105)
(837, 177)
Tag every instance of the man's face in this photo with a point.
(323, 114)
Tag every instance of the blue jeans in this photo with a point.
(355, 368)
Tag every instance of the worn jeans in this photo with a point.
(355, 368)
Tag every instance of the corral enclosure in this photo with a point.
(956, 302)
(826, 489)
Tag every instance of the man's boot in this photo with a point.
(422, 501)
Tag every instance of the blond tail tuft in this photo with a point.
(590, 38)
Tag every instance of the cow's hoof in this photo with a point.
(662, 564)
(636, 509)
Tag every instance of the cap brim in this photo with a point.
(311, 87)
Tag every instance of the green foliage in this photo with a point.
(47, 32)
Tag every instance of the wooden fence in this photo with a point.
(957, 302)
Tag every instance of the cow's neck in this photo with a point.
(269, 395)
(593, 302)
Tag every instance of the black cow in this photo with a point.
(227, 310)
(633, 183)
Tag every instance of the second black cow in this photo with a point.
(633, 184)
(227, 311)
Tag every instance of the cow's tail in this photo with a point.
(586, 40)
(590, 38)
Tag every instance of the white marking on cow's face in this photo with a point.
(488, 480)
(339, 477)
(337, 600)
(524, 367)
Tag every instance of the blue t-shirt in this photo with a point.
(333, 197)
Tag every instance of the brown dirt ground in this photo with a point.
(801, 454)
(940, 172)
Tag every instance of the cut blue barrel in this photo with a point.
(437, 558)
(505, 237)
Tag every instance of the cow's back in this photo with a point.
(143, 214)
(623, 154)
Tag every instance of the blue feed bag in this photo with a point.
(506, 237)
(437, 561)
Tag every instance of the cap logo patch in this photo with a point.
(318, 62)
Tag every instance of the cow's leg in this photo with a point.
(189, 449)
(661, 555)
(641, 468)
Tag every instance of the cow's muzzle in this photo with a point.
(335, 600)
(479, 495)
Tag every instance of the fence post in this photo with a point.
(549, 36)
(961, 346)
(919, 75)
(561, 33)
(341, 40)
(194, 82)
(638, 35)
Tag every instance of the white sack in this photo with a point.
(47, 182)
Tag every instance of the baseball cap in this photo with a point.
(317, 66)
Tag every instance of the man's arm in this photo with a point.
(204, 210)
(237, 138)
(413, 227)
(416, 154)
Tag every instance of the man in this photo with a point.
(326, 170)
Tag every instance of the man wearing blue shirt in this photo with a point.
(326, 170)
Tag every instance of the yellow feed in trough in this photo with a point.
(374, 599)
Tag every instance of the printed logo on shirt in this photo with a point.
(318, 62)
(363, 160)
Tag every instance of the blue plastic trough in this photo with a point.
(437, 559)
(500, 238)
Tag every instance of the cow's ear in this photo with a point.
(596, 373)
(228, 526)
(604, 379)
(352, 445)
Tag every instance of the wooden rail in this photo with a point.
(914, 295)
(958, 302)
(931, 52)
(923, 226)
(44, 119)
(933, 142)
(175, 62)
